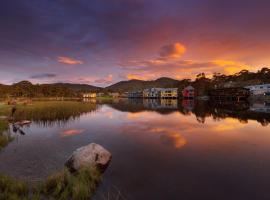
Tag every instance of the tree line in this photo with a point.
(27, 89)
(202, 84)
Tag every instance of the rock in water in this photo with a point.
(92, 155)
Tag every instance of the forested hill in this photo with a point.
(132, 85)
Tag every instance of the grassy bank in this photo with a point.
(60, 186)
(47, 110)
(4, 138)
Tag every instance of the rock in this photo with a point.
(92, 155)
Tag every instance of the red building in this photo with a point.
(188, 92)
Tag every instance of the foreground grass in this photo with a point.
(12, 189)
(60, 186)
(78, 186)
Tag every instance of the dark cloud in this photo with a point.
(175, 50)
(44, 75)
(102, 33)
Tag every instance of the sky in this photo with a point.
(101, 42)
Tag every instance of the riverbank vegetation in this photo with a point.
(4, 138)
(46, 110)
(62, 185)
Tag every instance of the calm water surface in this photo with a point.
(161, 150)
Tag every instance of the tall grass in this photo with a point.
(47, 112)
(60, 186)
(4, 138)
(78, 186)
(52, 110)
(12, 189)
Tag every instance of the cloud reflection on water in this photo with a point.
(71, 132)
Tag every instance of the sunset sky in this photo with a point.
(100, 42)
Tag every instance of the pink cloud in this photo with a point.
(107, 80)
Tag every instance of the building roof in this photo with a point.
(189, 88)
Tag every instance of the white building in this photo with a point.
(169, 93)
(263, 89)
(152, 93)
(160, 93)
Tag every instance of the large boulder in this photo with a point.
(92, 155)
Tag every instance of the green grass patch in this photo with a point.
(78, 186)
(60, 186)
(4, 138)
(12, 189)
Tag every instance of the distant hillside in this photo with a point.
(79, 87)
(132, 85)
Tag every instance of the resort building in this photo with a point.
(263, 89)
(89, 95)
(152, 93)
(188, 92)
(169, 93)
(165, 93)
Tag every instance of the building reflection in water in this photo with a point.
(89, 100)
(160, 103)
(217, 110)
(262, 107)
(188, 104)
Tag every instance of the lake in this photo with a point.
(162, 149)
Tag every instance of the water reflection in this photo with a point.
(243, 111)
(159, 149)
(262, 107)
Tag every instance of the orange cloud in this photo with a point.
(140, 76)
(170, 64)
(69, 61)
